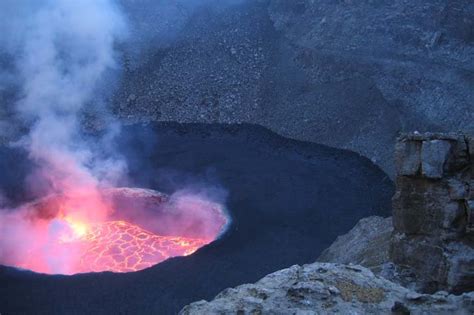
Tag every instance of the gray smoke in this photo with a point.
(61, 50)
(58, 52)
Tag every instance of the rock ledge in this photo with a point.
(323, 288)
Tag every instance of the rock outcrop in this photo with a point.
(323, 288)
(433, 211)
(367, 244)
(432, 243)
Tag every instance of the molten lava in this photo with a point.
(119, 230)
(122, 247)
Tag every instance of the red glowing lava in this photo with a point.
(119, 230)
(122, 247)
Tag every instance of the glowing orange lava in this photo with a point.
(119, 230)
(122, 247)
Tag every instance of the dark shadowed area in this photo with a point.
(288, 201)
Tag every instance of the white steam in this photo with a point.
(62, 50)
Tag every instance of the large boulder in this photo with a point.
(323, 288)
(367, 244)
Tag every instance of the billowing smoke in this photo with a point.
(62, 52)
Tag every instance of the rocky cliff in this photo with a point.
(306, 68)
(430, 245)
(303, 68)
(433, 211)
(371, 69)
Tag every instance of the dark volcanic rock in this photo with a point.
(373, 68)
(367, 244)
(349, 74)
(210, 69)
(433, 237)
(288, 200)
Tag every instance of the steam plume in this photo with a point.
(66, 48)
(62, 50)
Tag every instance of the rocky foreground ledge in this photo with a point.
(327, 288)
(426, 247)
